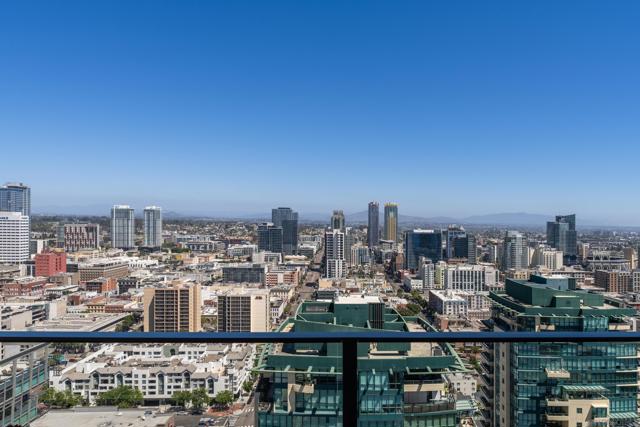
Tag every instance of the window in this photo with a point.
(579, 410)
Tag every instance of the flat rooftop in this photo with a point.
(101, 417)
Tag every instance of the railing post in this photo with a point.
(350, 407)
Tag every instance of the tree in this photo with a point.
(224, 398)
(199, 398)
(60, 399)
(122, 396)
(181, 398)
(247, 386)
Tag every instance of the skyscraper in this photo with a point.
(152, 227)
(15, 197)
(391, 221)
(269, 237)
(562, 235)
(288, 220)
(172, 309)
(122, 227)
(373, 225)
(421, 243)
(558, 384)
(14, 237)
(451, 235)
(337, 220)
(515, 251)
(334, 244)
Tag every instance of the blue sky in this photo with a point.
(447, 107)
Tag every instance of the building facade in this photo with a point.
(559, 384)
(14, 237)
(391, 222)
(373, 224)
(173, 309)
(287, 219)
(421, 243)
(122, 227)
(78, 237)
(246, 310)
(334, 244)
(269, 237)
(400, 384)
(50, 263)
(562, 235)
(153, 227)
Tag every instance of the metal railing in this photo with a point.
(349, 342)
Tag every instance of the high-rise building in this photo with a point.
(562, 235)
(122, 227)
(558, 384)
(288, 220)
(373, 225)
(172, 309)
(631, 255)
(400, 384)
(77, 237)
(455, 238)
(421, 243)
(244, 310)
(515, 251)
(337, 220)
(152, 227)
(472, 249)
(15, 197)
(269, 237)
(391, 222)
(49, 263)
(14, 237)
(334, 244)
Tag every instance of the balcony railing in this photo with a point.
(349, 341)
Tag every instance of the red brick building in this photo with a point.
(101, 285)
(24, 287)
(50, 263)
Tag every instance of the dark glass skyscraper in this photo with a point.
(562, 235)
(426, 243)
(338, 221)
(288, 220)
(269, 237)
(373, 225)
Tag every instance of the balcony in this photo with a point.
(343, 375)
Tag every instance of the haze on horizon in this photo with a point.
(209, 108)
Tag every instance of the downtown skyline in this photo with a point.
(446, 110)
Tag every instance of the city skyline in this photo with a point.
(473, 104)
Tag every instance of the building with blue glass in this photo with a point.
(400, 384)
(558, 384)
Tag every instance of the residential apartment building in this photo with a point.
(153, 227)
(244, 310)
(558, 384)
(122, 227)
(176, 308)
(78, 237)
(400, 384)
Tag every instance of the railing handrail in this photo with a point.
(311, 337)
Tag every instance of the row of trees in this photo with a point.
(61, 399)
(199, 398)
(130, 397)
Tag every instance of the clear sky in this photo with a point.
(446, 107)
